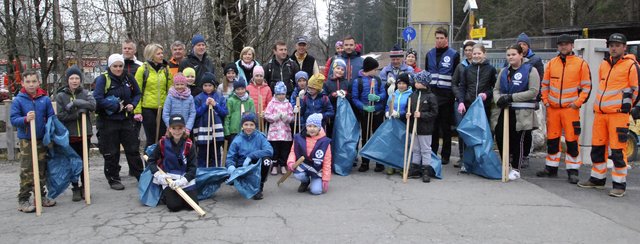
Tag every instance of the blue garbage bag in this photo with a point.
(208, 181)
(346, 134)
(149, 150)
(149, 192)
(386, 145)
(112, 99)
(479, 157)
(436, 164)
(64, 165)
(247, 179)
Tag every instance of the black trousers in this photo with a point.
(444, 122)
(149, 123)
(112, 133)
(280, 152)
(77, 147)
(519, 141)
(378, 118)
(175, 202)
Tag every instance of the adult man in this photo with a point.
(565, 87)
(525, 43)
(616, 93)
(198, 59)
(352, 58)
(468, 54)
(131, 63)
(441, 62)
(396, 67)
(281, 68)
(306, 62)
(177, 55)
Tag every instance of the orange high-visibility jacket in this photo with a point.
(618, 88)
(566, 81)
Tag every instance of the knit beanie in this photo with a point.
(208, 77)
(315, 119)
(258, 70)
(248, 116)
(369, 64)
(197, 39)
(240, 82)
(406, 78)
(301, 75)
(316, 81)
(189, 72)
(339, 43)
(280, 88)
(116, 57)
(396, 52)
(179, 79)
(424, 77)
(230, 67)
(73, 70)
(524, 38)
(339, 62)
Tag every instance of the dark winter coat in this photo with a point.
(285, 72)
(201, 66)
(72, 118)
(428, 111)
(473, 80)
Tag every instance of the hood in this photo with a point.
(40, 92)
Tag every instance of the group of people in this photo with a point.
(251, 116)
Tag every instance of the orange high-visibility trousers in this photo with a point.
(609, 131)
(559, 119)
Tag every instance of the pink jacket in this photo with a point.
(326, 162)
(256, 90)
(279, 129)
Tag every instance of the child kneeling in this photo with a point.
(176, 156)
(315, 171)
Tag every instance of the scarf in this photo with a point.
(243, 98)
(184, 94)
(249, 65)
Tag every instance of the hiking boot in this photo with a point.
(391, 171)
(589, 184)
(457, 163)
(77, 194)
(425, 174)
(258, 196)
(26, 207)
(48, 202)
(430, 171)
(573, 176)
(550, 172)
(116, 185)
(274, 170)
(379, 168)
(616, 192)
(364, 167)
(303, 186)
(414, 171)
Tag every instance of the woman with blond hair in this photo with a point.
(247, 63)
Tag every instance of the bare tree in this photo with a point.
(9, 22)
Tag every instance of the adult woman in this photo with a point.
(516, 91)
(247, 63)
(117, 94)
(154, 80)
(476, 80)
(410, 60)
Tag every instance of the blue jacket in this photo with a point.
(354, 65)
(254, 146)
(400, 101)
(184, 107)
(404, 68)
(123, 87)
(202, 117)
(320, 104)
(295, 93)
(360, 98)
(22, 104)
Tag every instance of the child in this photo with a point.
(230, 76)
(73, 101)
(315, 171)
(259, 89)
(369, 104)
(249, 147)
(190, 74)
(427, 114)
(179, 101)
(32, 105)
(279, 114)
(336, 87)
(300, 89)
(400, 98)
(176, 156)
(205, 132)
(234, 105)
(314, 101)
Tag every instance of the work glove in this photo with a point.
(461, 108)
(69, 106)
(635, 113)
(369, 109)
(230, 169)
(161, 178)
(138, 117)
(391, 79)
(81, 103)
(290, 166)
(296, 109)
(179, 183)
(387, 115)
(395, 114)
(483, 96)
(301, 93)
(325, 186)
(391, 89)
(504, 101)
(373, 98)
(341, 93)
(246, 162)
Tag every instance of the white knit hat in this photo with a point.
(115, 58)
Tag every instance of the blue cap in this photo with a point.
(302, 74)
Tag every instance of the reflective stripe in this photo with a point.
(608, 93)
(570, 159)
(442, 77)
(444, 83)
(619, 175)
(626, 100)
(545, 82)
(585, 82)
(610, 103)
(586, 90)
(598, 170)
(553, 160)
(569, 99)
(523, 105)
(568, 90)
(544, 88)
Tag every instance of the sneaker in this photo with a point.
(283, 170)
(379, 168)
(391, 171)
(303, 186)
(26, 207)
(514, 175)
(258, 196)
(274, 170)
(116, 185)
(364, 167)
(616, 192)
(457, 163)
(77, 194)
(48, 202)
(589, 184)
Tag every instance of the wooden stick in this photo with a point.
(370, 115)
(213, 131)
(86, 183)
(505, 145)
(224, 152)
(208, 132)
(158, 119)
(186, 197)
(285, 176)
(260, 120)
(405, 169)
(413, 135)
(241, 109)
(296, 116)
(36, 168)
